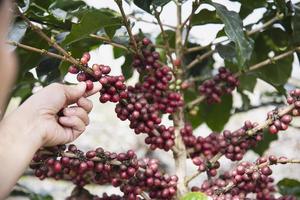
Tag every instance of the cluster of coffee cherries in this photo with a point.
(148, 59)
(237, 143)
(232, 144)
(279, 123)
(159, 185)
(150, 98)
(101, 167)
(248, 178)
(222, 83)
(294, 99)
(113, 87)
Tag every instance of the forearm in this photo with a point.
(17, 147)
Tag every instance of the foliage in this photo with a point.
(249, 53)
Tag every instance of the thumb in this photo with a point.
(73, 93)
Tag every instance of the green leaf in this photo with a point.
(217, 115)
(28, 59)
(145, 4)
(127, 68)
(205, 17)
(247, 82)
(261, 147)
(247, 6)
(171, 38)
(278, 73)
(227, 52)
(273, 40)
(194, 116)
(234, 30)
(289, 187)
(77, 49)
(92, 21)
(194, 196)
(296, 24)
(67, 4)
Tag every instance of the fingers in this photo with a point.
(77, 111)
(86, 104)
(75, 123)
(73, 93)
(97, 87)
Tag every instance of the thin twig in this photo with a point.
(251, 68)
(127, 25)
(111, 42)
(164, 35)
(195, 6)
(145, 196)
(40, 51)
(51, 42)
(199, 59)
(231, 185)
(150, 22)
(250, 132)
(248, 33)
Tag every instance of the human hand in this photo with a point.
(38, 116)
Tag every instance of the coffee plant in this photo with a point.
(178, 78)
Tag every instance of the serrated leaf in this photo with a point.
(234, 31)
(92, 21)
(217, 115)
(289, 187)
(205, 17)
(194, 196)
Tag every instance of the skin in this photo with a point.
(35, 123)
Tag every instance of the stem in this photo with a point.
(199, 59)
(112, 43)
(145, 196)
(51, 42)
(41, 51)
(251, 68)
(231, 185)
(150, 22)
(178, 119)
(248, 33)
(164, 35)
(127, 25)
(195, 6)
(250, 132)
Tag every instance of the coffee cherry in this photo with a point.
(73, 69)
(273, 129)
(89, 85)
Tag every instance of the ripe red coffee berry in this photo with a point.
(89, 85)
(273, 129)
(73, 70)
(57, 167)
(146, 41)
(177, 62)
